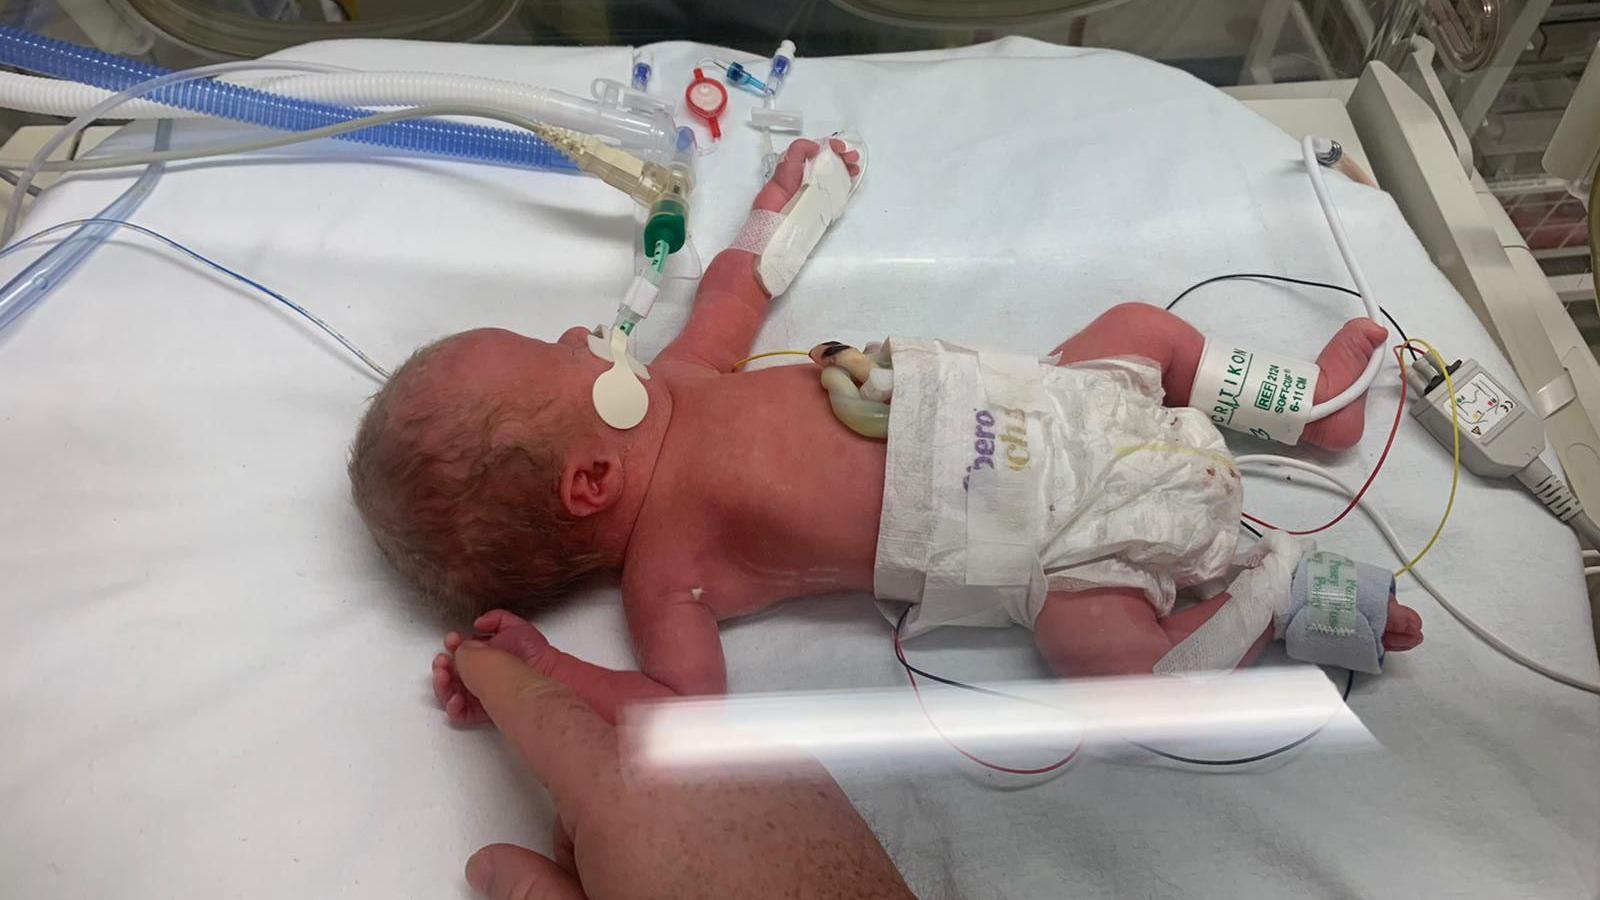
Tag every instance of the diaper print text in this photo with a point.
(988, 443)
(984, 445)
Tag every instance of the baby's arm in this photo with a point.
(731, 304)
(676, 641)
(607, 690)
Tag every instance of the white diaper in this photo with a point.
(1009, 477)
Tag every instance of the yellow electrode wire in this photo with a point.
(750, 359)
(1455, 445)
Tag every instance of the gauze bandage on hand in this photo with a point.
(783, 240)
(1260, 394)
(1260, 596)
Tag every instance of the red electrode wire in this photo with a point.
(900, 653)
(1394, 429)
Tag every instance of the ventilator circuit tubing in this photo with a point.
(650, 131)
(62, 135)
(43, 274)
(1344, 398)
(254, 107)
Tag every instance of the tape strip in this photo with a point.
(1338, 609)
(1257, 393)
(758, 229)
(1560, 391)
(1331, 591)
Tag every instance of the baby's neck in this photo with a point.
(641, 459)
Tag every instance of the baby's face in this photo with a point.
(508, 364)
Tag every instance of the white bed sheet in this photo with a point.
(214, 687)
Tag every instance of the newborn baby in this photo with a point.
(487, 477)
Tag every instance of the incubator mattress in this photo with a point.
(212, 686)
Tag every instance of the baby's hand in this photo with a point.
(501, 630)
(786, 178)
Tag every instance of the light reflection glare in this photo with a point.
(1262, 706)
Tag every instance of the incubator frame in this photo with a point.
(1401, 127)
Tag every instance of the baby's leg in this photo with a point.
(1139, 329)
(1115, 631)
(604, 689)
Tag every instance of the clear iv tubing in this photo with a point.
(1344, 398)
(42, 275)
(215, 266)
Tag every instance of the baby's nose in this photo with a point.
(577, 335)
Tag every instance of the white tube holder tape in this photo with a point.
(1260, 394)
(600, 346)
(821, 199)
(641, 296)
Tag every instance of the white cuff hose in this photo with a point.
(1308, 152)
(1267, 395)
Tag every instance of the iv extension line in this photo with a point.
(1341, 239)
(324, 327)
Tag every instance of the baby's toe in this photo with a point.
(1403, 630)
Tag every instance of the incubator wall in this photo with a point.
(1021, 194)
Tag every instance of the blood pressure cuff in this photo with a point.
(1337, 613)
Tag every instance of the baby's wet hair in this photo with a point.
(460, 488)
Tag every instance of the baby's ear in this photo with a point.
(591, 482)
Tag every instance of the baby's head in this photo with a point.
(484, 473)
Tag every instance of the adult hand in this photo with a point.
(705, 838)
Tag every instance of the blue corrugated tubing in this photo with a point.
(432, 137)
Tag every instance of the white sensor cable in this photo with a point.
(1482, 633)
(1308, 150)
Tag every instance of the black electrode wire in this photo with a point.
(1287, 280)
(900, 654)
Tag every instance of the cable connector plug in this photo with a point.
(1548, 487)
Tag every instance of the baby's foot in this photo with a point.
(1342, 362)
(1404, 629)
(501, 630)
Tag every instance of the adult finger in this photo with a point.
(507, 872)
(567, 745)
